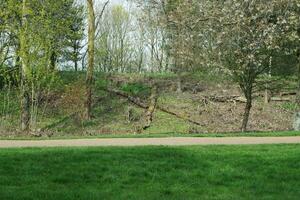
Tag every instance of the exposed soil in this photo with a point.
(222, 116)
(227, 116)
(176, 141)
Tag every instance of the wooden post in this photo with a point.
(152, 106)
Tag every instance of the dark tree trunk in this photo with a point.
(247, 112)
(75, 54)
(53, 60)
(18, 65)
(298, 92)
(76, 65)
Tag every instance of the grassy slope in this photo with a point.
(231, 172)
(110, 112)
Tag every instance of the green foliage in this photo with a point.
(9, 76)
(69, 77)
(136, 89)
(198, 40)
(8, 102)
(114, 48)
(101, 81)
(209, 76)
(290, 106)
(284, 65)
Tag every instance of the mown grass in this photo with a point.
(222, 172)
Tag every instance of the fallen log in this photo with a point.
(136, 101)
(59, 122)
(280, 99)
(178, 116)
(139, 103)
(224, 99)
(236, 98)
(288, 93)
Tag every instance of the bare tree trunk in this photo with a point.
(75, 54)
(267, 96)
(53, 60)
(267, 90)
(152, 57)
(179, 84)
(76, 65)
(140, 62)
(298, 92)
(167, 63)
(91, 52)
(247, 111)
(25, 93)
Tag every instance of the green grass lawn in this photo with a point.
(212, 172)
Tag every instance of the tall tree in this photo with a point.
(91, 56)
(252, 33)
(31, 27)
(114, 47)
(25, 70)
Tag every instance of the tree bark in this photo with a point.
(91, 52)
(76, 65)
(298, 92)
(247, 112)
(267, 90)
(75, 54)
(53, 59)
(179, 84)
(25, 93)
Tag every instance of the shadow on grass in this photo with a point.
(248, 172)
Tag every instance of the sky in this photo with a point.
(98, 3)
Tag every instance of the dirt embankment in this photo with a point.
(220, 107)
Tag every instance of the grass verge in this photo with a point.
(161, 135)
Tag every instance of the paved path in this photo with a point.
(174, 141)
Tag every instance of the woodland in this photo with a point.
(91, 67)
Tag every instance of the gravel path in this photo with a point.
(174, 141)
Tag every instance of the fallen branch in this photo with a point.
(224, 99)
(288, 93)
(236, 98)
(55, 124)
(280, 99)
(140, 104)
